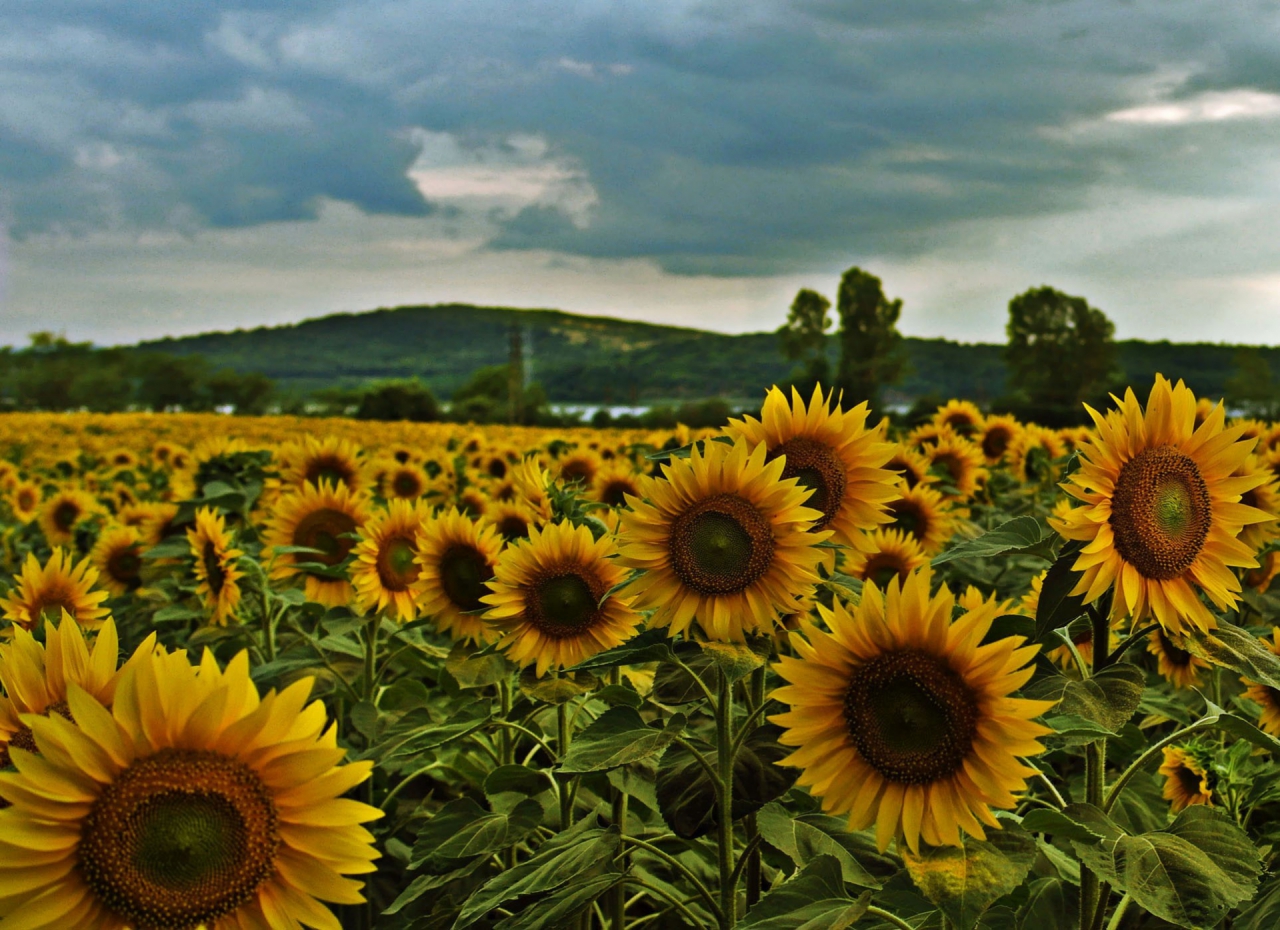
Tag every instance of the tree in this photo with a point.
(398, 400)
(871, 353)
(1061, 351)
(803, 338)
(1251, 388)
(249, 393)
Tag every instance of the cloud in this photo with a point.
(1209, 107)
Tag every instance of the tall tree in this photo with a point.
(1251, 388)
(1061, 351)
(803, 338)
(871, 355)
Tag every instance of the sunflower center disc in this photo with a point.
(1160, 512)
(911, 717)
(1176, 656)
(513, 527)
(125, 566)
(882, 568)
(995, 442)
(330, 470)
(324, 530)
(816, 467)
(179, 839)
(396, 567)
(721, 545)
(463, 573)
(406, 484)
(615, 493)
(64, 517)
(563, 605)
(213, 567)
(51, 605)
(908, 517)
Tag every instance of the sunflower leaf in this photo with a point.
(1240, 727)
(463, 829)
(964, 881)
(803, 843)
(1108, 699)
(814, 899)
(1019, 535)
(1057, 606)
(619, 736)
(1060, 823)
(558, 909)
(649, 646)
(1231, 647)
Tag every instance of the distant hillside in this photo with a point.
(598, 359)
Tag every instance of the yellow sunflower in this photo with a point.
(924, 515)
(407, 481)
(512, 520)
(885, 554)
(117, 555)
(1073, 437)
(1161, 512)
(531, 482)
(612, 484)
(35, 676)
(580, 465)
(831, 453)
(910, 466)
(996, 436)
(959, 461)
(723, 539)
(385, 568)
(1032, 453)
(323, 518)
(63, 512)
(1178, 666)
(456, 556)
(960, 416)
(190, 803)
(1260, 578)
(24, 502)
(902, 718)
(1251, 430)
(549, 601)
(331, 459)
(926, 434)
(1186, 778)
(43, 592)
(473, 502)
(1265, 497)
(1265, 696)
(216, 569)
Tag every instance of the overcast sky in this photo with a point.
(169, 168)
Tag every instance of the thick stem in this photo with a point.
(562, 743)
(618, 894)
(1095, 761)
(724, 799)
(371, 656)
(752, 827)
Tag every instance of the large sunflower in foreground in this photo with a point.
(456, 556)
(723, 539)
(1161, 512)
(831, 453)
(35, 676)
(117, 555)
(42, 592)
(216, 569)
(326, 518)
(190, 803)
(63, 512)
(385, 568)
(902, 717)
(549, 599)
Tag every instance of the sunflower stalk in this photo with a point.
(724, 801)
(1092, 895)
(752, 827)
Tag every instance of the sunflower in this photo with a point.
(722, 538)
(925, 516)
(1081, 634)
(1204, 407)
(996, 436)
(973, 599)
(406, 481)
(24, 502)
(885, 554)
(1160, 515)
(549, 598)
(1265, 696)
(215, 565)
(512, 520)
(1260, 578)
(1186, 777)
(910, 466)
(1265, 497)
(959, 461)
(385, 568)
(580, 465)
(44, 592)
(901, 716)
(1073, 437)
(1252, 431)
(159, 522)
(117, 555)
(455, 558)
(531, 482)
(614, 483)
(63, 512)
(925, 435)
(960, 416)
(473, 502)
(190, 803)
(330, 459)
(323, 518)
(35, 676)
(1032, 453)
(831, 453)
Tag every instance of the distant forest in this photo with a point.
(601, 360)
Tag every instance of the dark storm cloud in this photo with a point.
(724, 138)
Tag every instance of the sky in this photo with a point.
(170, 168)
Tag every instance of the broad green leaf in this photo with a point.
(508, 785)
(803, 842)
(1058, 606)
(1007, 625)
(1264, 912)
(618, 737)
(814, 899)
(556, 689)
(581, 851)
(412, 736)
(174, 613)
(1051, 903)
(463, 829)
(1059, 823)
(424, 883)
(1021, 534)
(1108, 699)
(649, 646)
(673, 685)
(1240, 727)
(557, 910)
(477, 671)
(736, 660)
(963, 881)
(1231, 647)
(175, 547)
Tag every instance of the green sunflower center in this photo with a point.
(463, 573)
(815, 466)
(325, 530)
(1160, 512)
(721, 545)
(564, 603)
(911, 717)
(396, 566)
(179, 839)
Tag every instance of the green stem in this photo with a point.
(1095, 760)
(754, 881)
(724, 800)
(1118, 916)
(618, 894)
(703, 891)
(675, 902)
(889, 918)
(1114, 794)
(371, 655)
(562, 743)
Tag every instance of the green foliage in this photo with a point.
(802, 338)
(1251, 388)
(964, 881)
(398, 400)
(871, 354)
(1061, 351)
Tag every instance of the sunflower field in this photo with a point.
(804, 671)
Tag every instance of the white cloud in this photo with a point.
(1208, 107)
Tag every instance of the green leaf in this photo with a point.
(1078, 728)
(673, 685)
(802, 843)
(463, 829)
(556, 689)
(472, 671)
(1051, 903)
(556, 911)
(1060, 823)
(1007, 625)
(619, 696)
(1108, 699)
(1058, 606)
(1021, 534)
(1262, 914)
(581, 851)
(814, 899)
(686, 794)
(736, 660)
(619, 736)
(364, 717)
(411, 736)
(1240, 727)
(507, 785)
(649, 646)
(175, 613)
(1231, 647)
(175, 547)
(963, 881)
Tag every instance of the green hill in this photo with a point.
(598, 359)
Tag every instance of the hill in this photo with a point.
(603, 360)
